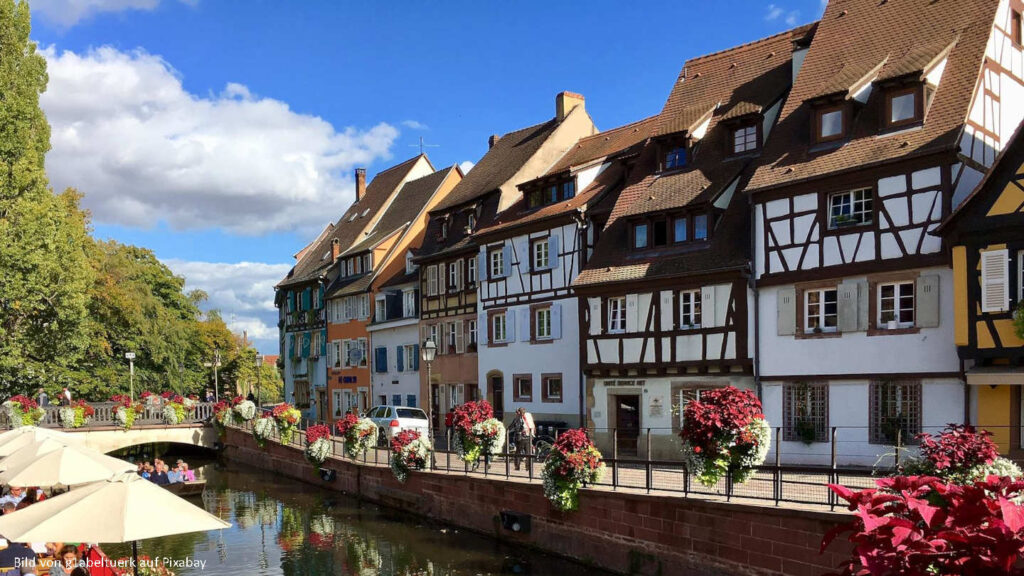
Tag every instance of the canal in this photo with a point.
(283, 527)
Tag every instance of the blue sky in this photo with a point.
(222, 134)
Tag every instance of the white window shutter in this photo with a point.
(553, 256)
(631, 313)
(926, 294)
(847, 296)
(506, 260)
(707, 307)
(510, 326)
(556, 321)
(995, 281)
(786, 311)
(863, 306)
(595, 315)
(667, 309)
(460, 341)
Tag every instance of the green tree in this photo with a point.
(44, 238)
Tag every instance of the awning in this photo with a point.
(996, 376)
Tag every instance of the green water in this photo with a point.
(280, 526)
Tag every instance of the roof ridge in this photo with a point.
(610, 131)
(747, 45)
(401, 164)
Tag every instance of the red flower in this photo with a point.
(958, 448)
(465, 416)
(347, 423)
(314, 433)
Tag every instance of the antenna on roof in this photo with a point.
(422, 145)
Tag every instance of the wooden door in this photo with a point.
(498, 397)
(627, 422)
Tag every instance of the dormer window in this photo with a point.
(745, 138)
(444, 229)
(551, 193)
(640, 236)
(903, 106)
(675, 157)
(470, 222)
(830, 123)
(659, 231)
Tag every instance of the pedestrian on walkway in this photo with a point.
(65, 397)
(521, 433)
(43, 398)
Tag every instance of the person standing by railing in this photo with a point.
(43, 398)
(65, 397)
(522, 430)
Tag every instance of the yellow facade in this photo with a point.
(994, 414)
(961, 335)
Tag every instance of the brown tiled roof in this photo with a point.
(317, 258)
(408, 203)
(612, 142)
(500, 163)
(733, 83)
(401, 277)
(457, 241)
(348, 286)
(905, 35)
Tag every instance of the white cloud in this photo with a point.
(792, 17)
(67, 13)
(773, 12)
(243, 292)
(414, 125)
(143, 149)
(466, 166)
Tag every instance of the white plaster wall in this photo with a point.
(519, 278)
(408, 381)
(521, 357)
(930, 350)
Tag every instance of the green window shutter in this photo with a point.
(307, 295)
(291, 300)
(291, 346)
(323, 342)
(305, 344)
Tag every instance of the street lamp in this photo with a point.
(428, 352)
(215, 364)
(259, 370)
(131, 374)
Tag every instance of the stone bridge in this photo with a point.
(103, 434)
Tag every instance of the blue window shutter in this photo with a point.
(481, 266)
(415, 357)
(506, 260)
(524, 324)
(553, 257)
(321, 298)
(410, 400)
(306, 295)
(399, 355)
(510, 327)
(291, 300)
(291, 345)
(323, 342)
(305, 344)
(396, 399)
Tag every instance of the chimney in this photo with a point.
(335, 250)
(360, 183)
(565, 102)
(492, 141)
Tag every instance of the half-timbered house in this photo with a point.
(896, 113)
(986, 239)
(449, 263)
(665, 302)
(531, 253)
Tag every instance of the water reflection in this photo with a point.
(282, 527)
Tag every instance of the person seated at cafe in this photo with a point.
(31, 497)
(17, 560)
(65, 561)
(15, 496)
(8, 508)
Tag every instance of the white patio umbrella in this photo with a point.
(59, 465)
(126, 508)
(20, 437)
(33, 450)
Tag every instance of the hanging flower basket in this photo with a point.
(263, 429)
(477, 432)
(177, 409)
(223, 416)
(76, 415)
(287, 417)
(318, 444)
(125, 411)
(360, 434)
(409, 451)
(724, 432)
(23, 411)
(245, 411)
(574, 462)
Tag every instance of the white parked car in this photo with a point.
(391, 420)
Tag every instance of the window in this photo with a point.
(676, 157)
(471, 270)
(523, 388)
(660, 236)
(432, 333)
(700, 227)
(687, 395)
(896, 305)
(640, 236)
(455, 275)
(805, 412)
(354, 353)
(409, 266)
(1016, 27)
(903, 106)
(431, 280)
(679, 229)
(498, 328)
(540, 251)
(830, 124)
(496, 257)
(471, 332)
(542, 323)
(470, 221)
(551, 387)
(380, 309)
(616, 314)
(744, 139)
(895, 411)
(444, 229)
(689, 309)
(551, 193)
(314, 347)
(408, 303)
(821, 311)
(568, 189)
(850, 208)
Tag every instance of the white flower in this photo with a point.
(67, 416)
(245, 410)
(264, 428)
(170, 415)
(318, 450)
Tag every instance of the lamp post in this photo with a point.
(427, 352)
(259, 370)
(131, 374)
(215, 364)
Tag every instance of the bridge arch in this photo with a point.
(110, 439)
